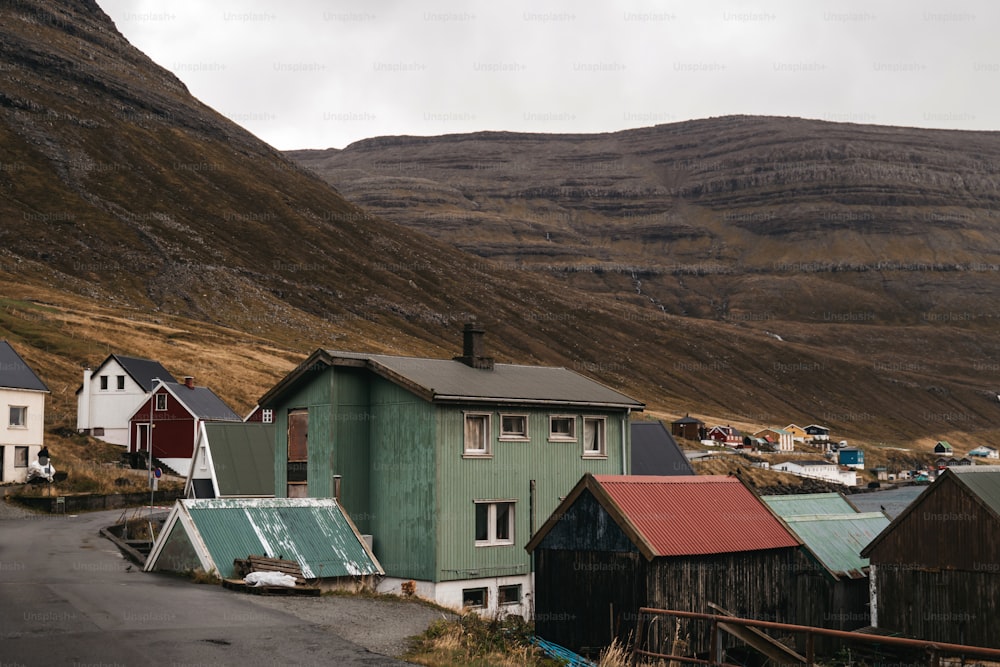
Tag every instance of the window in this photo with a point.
(594, 441)
(104, 383)
(494, 523)
(562, 428)
(474, 598)
(161, 402)
(513, 427)
(20, 457)
(477, 434)
(18, 416)
(267, 416)
(121, 382)
(509, 594)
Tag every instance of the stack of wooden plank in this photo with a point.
(243, 567)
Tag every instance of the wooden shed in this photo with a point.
(687, 427)
(617, 543)
(935, 569)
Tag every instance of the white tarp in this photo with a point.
(270, 579)
(36, 469)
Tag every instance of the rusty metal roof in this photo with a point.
(703, 514)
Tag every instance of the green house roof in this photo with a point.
(831, 528)
(983, 482)
(836, 540)
(314, 532)
(798, 504)
(242, 457)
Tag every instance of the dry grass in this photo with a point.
(478, 642)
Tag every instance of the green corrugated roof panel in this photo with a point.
(983, 481)
(808, 503)
(837, 539)
(243, 456)
(311, 531)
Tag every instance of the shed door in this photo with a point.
(298, 453)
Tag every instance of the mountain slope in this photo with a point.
(137, 220)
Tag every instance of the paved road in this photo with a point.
(67, 598)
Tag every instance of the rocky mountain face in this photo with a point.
(138, 220)
(877, 245)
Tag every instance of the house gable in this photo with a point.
(954, 515)
(586, 525)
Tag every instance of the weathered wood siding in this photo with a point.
(949, 529)
(584, 599)
(942, 605)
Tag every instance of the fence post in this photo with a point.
(638, 637)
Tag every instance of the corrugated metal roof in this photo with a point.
(314, 532)
(202, 402)
(837, 539)
(983, 481)
(703, 514)
(798, 504)
(243, 457)
(446, 379)
(14, 373)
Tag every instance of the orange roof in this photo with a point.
(692, 515)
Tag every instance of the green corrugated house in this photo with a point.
(449, 464)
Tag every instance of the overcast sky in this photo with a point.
(315, 74)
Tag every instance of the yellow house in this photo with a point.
(798, 433)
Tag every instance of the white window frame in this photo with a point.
(23, 411)
(512, 435)
(559, 437)
(602, 449)
(486, 450)
(491, 523)
(267, 415)
(156, 400)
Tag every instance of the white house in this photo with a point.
(22, 398)
(111, 393)
(778, 437)
(985, 451)
(819, 470)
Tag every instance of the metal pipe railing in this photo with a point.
(935, 649)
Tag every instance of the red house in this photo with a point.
(175, 410)
(726, 435)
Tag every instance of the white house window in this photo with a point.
(104, 383)
(474, 598)
(267, 416)
(20, 457)
(18, 416)
(121, 382)
(562, 428)
(594, 437)
(161, 402)
(509, 594)
(477, 434)
(494, 523)
(513, 427)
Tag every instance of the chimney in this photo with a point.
(473, 348)
(189, 382)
